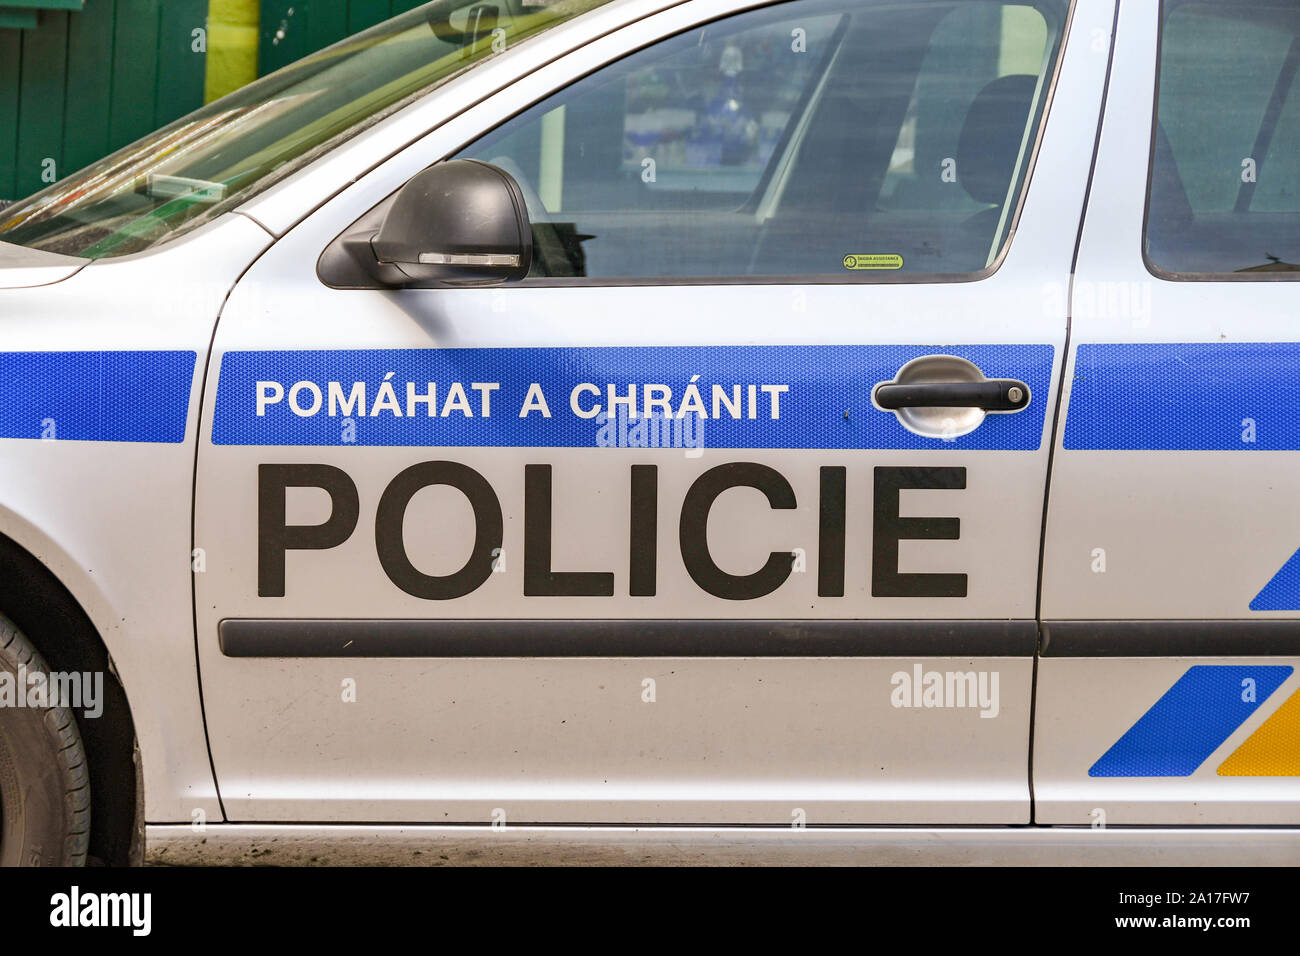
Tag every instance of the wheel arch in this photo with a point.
(44, 609)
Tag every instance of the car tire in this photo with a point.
(44, 781)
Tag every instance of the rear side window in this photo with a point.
(1224, 191)
(857, 140)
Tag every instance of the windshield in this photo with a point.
(193, 170)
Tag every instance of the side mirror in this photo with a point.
(459, 222)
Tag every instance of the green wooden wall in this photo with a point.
(82, 83)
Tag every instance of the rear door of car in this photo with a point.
(1171, 593)
(631, 540)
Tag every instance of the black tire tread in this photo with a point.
(61, 724)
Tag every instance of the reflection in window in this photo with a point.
(1225, 170)
(857, 140)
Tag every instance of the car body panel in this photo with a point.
(111, 518)
(21, 267)
(474, 735)
(1193, 523)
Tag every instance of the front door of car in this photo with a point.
(730, 512)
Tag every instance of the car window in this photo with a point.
(1224, 192)
(855, 140)
(210, 161)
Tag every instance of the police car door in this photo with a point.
(1171, 592)
(730, 511)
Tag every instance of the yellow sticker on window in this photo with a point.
(873, 261)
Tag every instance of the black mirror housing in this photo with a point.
(459, 222)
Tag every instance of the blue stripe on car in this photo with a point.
(109, 396)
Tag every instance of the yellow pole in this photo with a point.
(232, 46)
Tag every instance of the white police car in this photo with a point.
(871, 424)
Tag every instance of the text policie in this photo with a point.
(276, 538)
